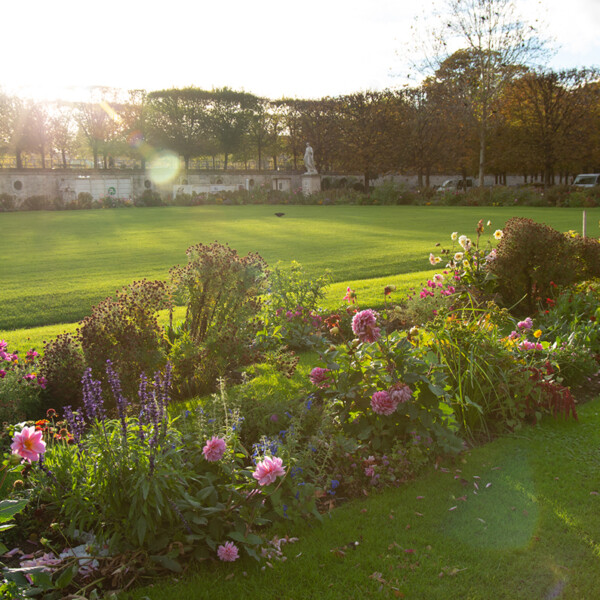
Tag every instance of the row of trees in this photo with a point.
(541, 122)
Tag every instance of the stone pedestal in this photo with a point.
(311, 184)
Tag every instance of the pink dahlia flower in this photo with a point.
(319, 377)
(228, 552)
(28, 444)
(383, 404)
(400, 393)
(268, 470)
(364, 326)
(214, 449)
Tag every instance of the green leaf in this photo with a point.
(238, 537)
(141, 529)
(66, 577)
(9, 508)
(168, 563)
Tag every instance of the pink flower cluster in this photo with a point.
(364, 326)
(228, 552)
(268, 470)
(386, 402)
(526, 324)
(28, 444)
(214, 449)
(319, 377)
(527, 345)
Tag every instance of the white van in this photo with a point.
(587, 180)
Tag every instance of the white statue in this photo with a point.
(309, 160)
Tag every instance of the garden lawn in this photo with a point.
(56, 265)
(530, 530)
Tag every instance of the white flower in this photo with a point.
(498, 234)
(454, 236)
(458, 256)
(489, 223)
(462, 240)
(432, 259)
(438, 278)
(437, 260)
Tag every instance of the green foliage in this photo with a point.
(62, 364)
(125, 330)
(222, 293)
(485, 381)
(358, 370)
(290, 309)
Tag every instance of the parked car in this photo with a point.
(587, 180)
(455, 185)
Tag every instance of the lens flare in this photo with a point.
(163, 167)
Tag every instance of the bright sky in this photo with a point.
(272, 48)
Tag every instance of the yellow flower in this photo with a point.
(498, 234)
(537, 334)
(466, 264)
(454, 236)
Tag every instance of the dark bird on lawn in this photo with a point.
(279, 214)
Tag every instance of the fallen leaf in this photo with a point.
(230, 576)
(476, 477)
(420, 497)
(487, 485)
(453, 508)
(463, 498)
(419, 514)
(496, 468)
(475, 484)
(594, 494)
(480, 520)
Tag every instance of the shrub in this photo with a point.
(84, 201)
(36, 203)
(125, 329)
(7, 203)
(63, 365)
(149, 198)
(222, 292)
(529, 257)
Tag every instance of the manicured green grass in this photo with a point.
(530, 531)
(56, 265)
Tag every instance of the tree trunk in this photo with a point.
(43, 157)
(64, 158)
(225, 163)
(420, 178)
(482, 153)
(19, 158)
(274, 162)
